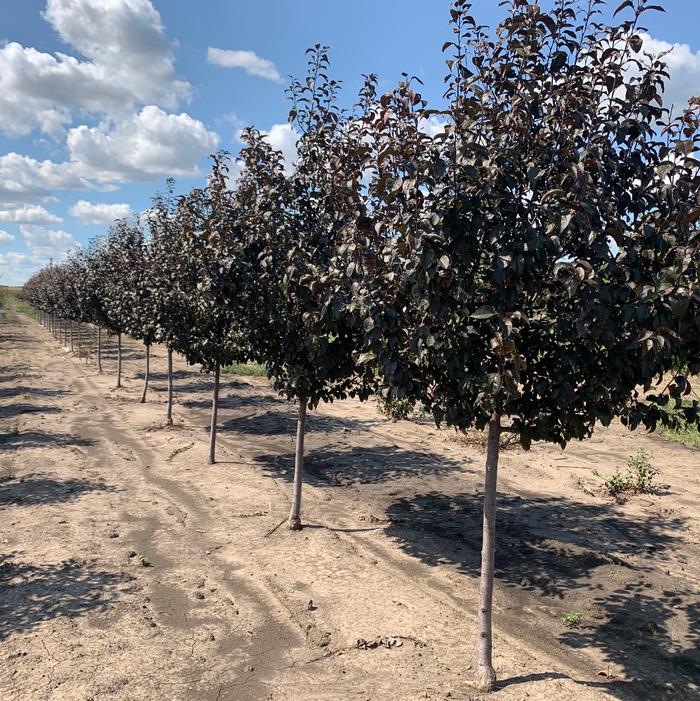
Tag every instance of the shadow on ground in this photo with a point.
(567, 551)
(38, 439)
(33, 392)
(18, 409)
(38, 489)
(31, 594)
(340, 468)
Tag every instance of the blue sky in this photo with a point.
(101, 100)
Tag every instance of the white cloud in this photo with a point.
(431, 126)
(143, 146)
(6, 238)
(683, 67)
(249, 61)
(25, 180)
(99, 213)
(43, 245)
(129, 63)
(31, 214)
(16, 267)
(283, 137)
(46, 244)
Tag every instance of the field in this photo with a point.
(133, 570)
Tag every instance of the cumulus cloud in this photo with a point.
(99, 213)
(31, 214)
(25, 180)
(16, 267)
(284, 137)
(143, 146)
(6, 238)
(46, 243)
(43, 245)
(129, 62)
(683, 67)
(249, 61)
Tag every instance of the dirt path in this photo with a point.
(92, 480)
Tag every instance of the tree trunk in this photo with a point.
(214, 411)
(99, 350)
(71, 336)
(295, 514)
(170, 386)
(485, 679)
(148, 372)
(80, 340)
(119, 360)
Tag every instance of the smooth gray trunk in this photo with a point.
(485, 679)
(99, 350)
(170, 385)
(148, 372)
(295, 514)
(119, 360)
(214, 412)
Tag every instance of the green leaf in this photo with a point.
(484, 312)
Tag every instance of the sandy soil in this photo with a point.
(90, 480)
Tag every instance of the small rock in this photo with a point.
(200, 594)
(131, 553)
(311, 606)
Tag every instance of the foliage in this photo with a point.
(493, 286)
(306, 335)
(211, 273)
(166, 299)
(638, 479)
(572, 619)
(251, 369)
(395, 409)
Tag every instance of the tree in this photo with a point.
(298, 328)
(90, 288)
(115, 263)
(211, 281)
(536, 264)
(142, 320)
(167, 299)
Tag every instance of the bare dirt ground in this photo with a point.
(91, 480)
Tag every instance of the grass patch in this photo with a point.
(689, 436)
(252, 369)
(686, 434)
(11, 303)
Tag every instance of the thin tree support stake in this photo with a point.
(99, 350)
(295, 514)
(71, 336)
(485, 679)
(80, 340)
(119, 360)
(170, 386)
(214, 410)
(148, 372)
